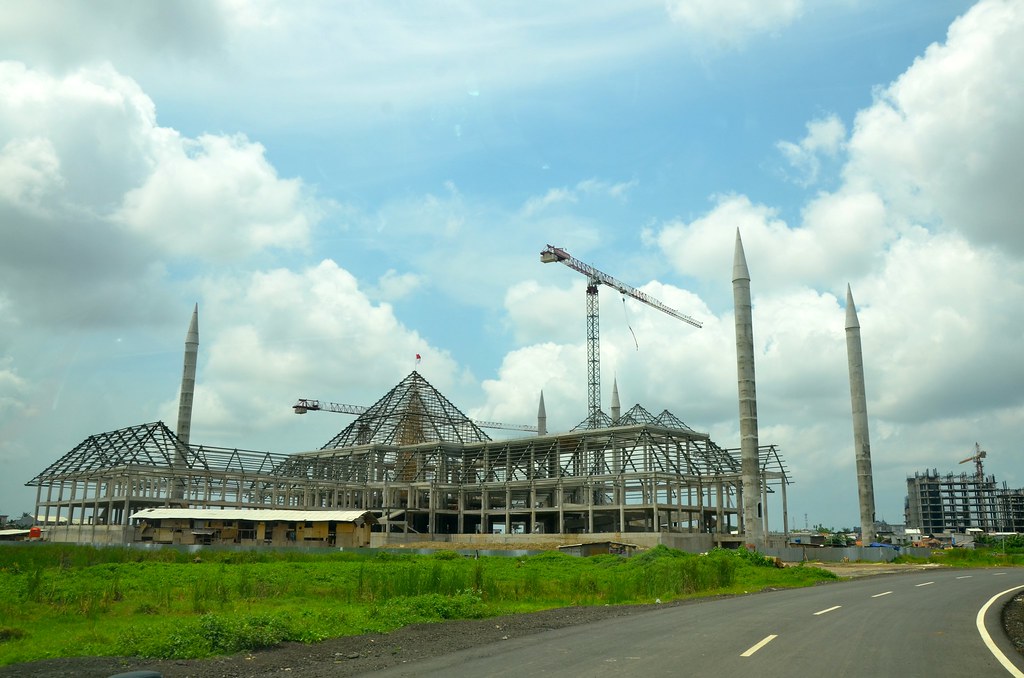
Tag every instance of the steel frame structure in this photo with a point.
(414, 466)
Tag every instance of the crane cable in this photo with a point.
(625, 312)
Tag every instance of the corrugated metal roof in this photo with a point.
(254, 514)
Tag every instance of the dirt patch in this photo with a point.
(850, 570)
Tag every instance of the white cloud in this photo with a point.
(13, 389)
(87, 32)
(824, 138)
(393, 285)
(274, 336)
(217, 197)
(554, 196)
(593, 189)
(926, 190)
(96, 197)
(29, 173)
(942, 144)
(538, 313)
(933, 326)
(731, 23)
(557, 370)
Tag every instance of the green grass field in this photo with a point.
(64, 600)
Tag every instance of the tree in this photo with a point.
(25, 521)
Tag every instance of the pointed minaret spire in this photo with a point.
(752, 528)
(542, 417)
(188, 378)
(739, 261)
(861, 439)
(616, 407)
(851, 311)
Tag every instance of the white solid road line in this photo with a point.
(996, 652)
(834, 607)
(879, 595)
(757, 647)
(927, 583)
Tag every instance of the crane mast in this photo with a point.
(595, 278)
(979, 468)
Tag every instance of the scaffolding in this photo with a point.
(955, 502)
(422, 466)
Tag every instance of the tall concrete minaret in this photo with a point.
(861, 441)
(542, 417)
(188, 378)
(748, 396)
(616, 407)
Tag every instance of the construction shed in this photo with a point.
(270, 527)
(13, 534)
(599, 548)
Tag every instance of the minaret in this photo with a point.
(861, 441)
(616, 407)
(188, 378)
(542, 417)
(747, 396)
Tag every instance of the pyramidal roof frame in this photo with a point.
(152, 445)
(635, 416)
(411, 413)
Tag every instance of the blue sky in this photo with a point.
(340, 186)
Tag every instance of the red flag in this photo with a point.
(417, 358)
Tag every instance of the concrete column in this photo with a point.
(861, 440)
(188, 378)
(542, 417)
(747, 395)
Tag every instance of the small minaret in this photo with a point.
(861, 440)
(616, 407)
(188, 378)
(747, 395)
(542, 417)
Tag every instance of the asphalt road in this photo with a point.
(922, 624)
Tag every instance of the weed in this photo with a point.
(10, 633)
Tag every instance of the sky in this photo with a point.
(342, 186)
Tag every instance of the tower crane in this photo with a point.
(978, 455)
(594, 278)
(304, 405)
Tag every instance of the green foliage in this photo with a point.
(62, 600)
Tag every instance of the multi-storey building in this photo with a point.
(955, 502)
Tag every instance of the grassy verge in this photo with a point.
(63, 600)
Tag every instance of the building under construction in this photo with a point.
(424, 468)
(954, 503)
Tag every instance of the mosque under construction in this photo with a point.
(425, 471)
(423, 468)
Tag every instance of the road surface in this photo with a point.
(941, 622)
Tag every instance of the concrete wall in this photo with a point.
(86, 534)
(525, 541)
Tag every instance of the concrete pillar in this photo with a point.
(747, 395)
(542, 417)
(188, 378)
(861, 440)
